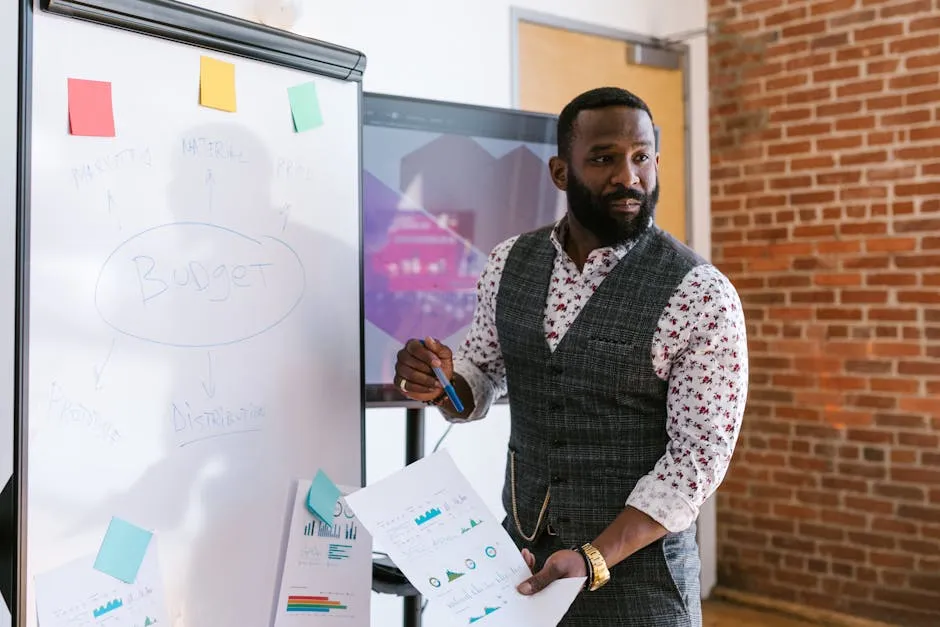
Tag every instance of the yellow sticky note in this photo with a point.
(216, 84)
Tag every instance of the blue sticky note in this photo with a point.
(122, 550)
(321, 499)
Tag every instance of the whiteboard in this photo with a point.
(194, 313)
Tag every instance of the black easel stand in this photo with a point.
(414, 450)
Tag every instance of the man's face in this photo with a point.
(611, 177)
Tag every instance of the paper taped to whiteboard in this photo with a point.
(327, 573)
(78, 595)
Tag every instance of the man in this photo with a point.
(624, 356)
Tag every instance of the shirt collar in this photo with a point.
(560, 233)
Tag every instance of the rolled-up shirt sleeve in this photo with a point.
(479, 359)
(700, 349)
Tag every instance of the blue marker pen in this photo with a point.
(448, 388)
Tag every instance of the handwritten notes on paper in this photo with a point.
(322, 496)
(305, 107)
(90, 109)
(440, 534)
(78, 595)
(216, 84)
(122, 550)
(327, 568)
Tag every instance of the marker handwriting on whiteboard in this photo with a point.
(67, 412)
(217, 281)
(210, 184)
(208, 386)
(99, 370)
(111, 205)
(88, 172)
(193, 284)
(194, 423)
(212, 148)
(290, 169)
(285, 213)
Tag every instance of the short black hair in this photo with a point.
(598, 98)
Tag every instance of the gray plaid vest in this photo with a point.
(589, 419)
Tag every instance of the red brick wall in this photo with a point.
(826, 215)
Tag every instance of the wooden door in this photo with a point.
(555, 65)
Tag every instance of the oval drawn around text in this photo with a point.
(193, 284)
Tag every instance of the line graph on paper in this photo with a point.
(114, 605)
(436, 522)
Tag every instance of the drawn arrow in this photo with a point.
(210, 183)
(99, 370)
(111, 205)
(209, 387)
(285, 211)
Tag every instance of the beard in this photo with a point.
(595, 212)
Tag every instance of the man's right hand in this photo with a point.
(413, 374)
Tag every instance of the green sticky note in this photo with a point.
(305, 107)
(321, 499)
(122, 550)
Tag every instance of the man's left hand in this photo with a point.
(559, 565)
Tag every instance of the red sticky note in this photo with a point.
(90, 111)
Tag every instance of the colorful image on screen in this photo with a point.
(442, 185)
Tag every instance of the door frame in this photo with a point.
(707, 532)
(518, 15)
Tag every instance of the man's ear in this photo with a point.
(558, 168)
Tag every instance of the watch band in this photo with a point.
(587, 565)
(598, 573)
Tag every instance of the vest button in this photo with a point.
(556, 369)
(558, 443)
(556, 479)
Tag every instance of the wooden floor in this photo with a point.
(722, 614)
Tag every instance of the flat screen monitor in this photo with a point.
(443, 184)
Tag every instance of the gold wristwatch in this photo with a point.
(598, 574)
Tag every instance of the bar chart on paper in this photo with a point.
(327, 568)
(318, 604)
(339, 530)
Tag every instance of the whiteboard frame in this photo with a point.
(180, 23)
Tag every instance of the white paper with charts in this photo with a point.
(327, 576)
(77, 595)
(440, 534)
